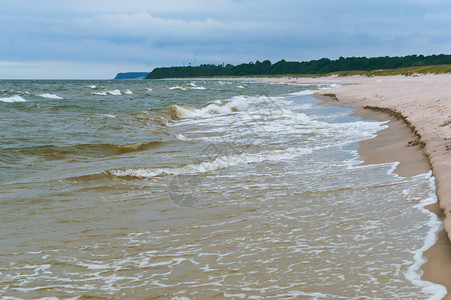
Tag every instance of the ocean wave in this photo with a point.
(177, 87)
(15, 98)
(181, 137)
(114, 92)
(238, 103)
(193, 86)
(158, 116)
(132, 147)
(163, 115)
(50, 96)
(128, 92)
(53, 152)
(109, 92)
(304, 93)
(221, 162)
(109, 116)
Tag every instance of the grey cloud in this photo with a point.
(152, 33)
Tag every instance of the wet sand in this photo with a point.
(418, 137)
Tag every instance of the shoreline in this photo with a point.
(393, 144)
(419, 110)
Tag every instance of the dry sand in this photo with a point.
(421, 105)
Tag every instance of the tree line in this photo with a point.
(312, 67)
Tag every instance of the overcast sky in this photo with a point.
(95, 39)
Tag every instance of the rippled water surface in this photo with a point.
(200, 189)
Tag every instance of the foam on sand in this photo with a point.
(414, 272)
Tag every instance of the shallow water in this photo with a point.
(201, 189)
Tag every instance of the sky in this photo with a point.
(95, 39)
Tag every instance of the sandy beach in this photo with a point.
(421, 105)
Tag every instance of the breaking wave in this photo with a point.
(110, 92)
(177, 87)
(15, 98)
(238, 103)
(221, 162)
(193, 86)
(53, 152)
(50, 96)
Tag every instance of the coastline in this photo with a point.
(393, 144)
(418, 137)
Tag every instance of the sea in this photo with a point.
(201, 189)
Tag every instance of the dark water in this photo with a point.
(200, 189)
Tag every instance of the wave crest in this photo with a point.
(52, 152)
(12, 99)
(221, 162)
(236, 104)
(50, 96)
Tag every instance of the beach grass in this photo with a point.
(410, 71)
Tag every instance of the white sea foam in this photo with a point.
(238, 103)
(321, 87)
(177, 88)
(149, 89)
(195, 87)
(221, 162)
(110, 92)
(304, 93)
(181, 137)
(414, 272)
(253, 120)
(114, 92)
(128, 92)
(15, 98)
(334, 85)
(50, 96)
(305, 106)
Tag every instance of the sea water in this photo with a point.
(201, 189)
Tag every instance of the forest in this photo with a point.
(312, 67)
